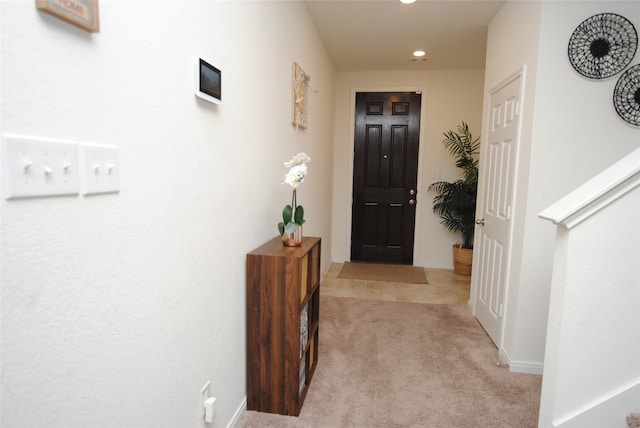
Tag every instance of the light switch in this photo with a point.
(100, 168)
(37, 166)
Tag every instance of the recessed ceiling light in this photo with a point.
(407, 1)
(419, 53)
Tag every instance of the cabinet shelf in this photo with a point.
(283, 308)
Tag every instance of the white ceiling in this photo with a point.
(364, 35)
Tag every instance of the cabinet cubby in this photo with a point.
(283, 317)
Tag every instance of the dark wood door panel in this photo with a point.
(385, 171)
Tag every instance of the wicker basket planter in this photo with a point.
(462, 258)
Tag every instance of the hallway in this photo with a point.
(387, 363)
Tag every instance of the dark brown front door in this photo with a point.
(385, 176)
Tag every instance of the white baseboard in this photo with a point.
(525, 367)
(609, 410)
(430, 265)
(238, 414)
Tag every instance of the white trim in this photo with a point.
(525, 367)
(237, 416)
(611, 184)
(447, 266)
(626, 394)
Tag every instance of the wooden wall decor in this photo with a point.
(81, 13)
(300, 99)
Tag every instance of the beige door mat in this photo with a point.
(382, 272)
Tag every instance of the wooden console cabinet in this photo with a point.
(283, 308)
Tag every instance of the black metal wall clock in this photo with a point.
(603, 45)
(626, 95)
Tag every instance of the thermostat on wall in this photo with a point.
(208, 81)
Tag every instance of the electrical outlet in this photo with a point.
(205, 393)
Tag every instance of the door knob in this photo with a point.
(412, 202)
(412, 192)
(480, 222)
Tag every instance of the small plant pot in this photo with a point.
(462, 258)
(292, 239)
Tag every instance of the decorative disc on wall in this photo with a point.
(603, 45)
(626, 95)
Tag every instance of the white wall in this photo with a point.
(591, 373)
(117, 309)
(448, 98)
(570, 132)
(512, 44)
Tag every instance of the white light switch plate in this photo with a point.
(37, 166)
(100, 168)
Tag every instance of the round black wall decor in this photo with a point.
(603, 45)
(626, 95)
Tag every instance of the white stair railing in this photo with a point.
(592, 358)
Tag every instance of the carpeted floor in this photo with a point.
(393, 364)
(382, 272)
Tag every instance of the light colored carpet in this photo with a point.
(393, 364)
(381, 272)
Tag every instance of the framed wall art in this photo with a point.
(300, 92)
(81, 13)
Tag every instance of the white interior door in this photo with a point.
(494, 220)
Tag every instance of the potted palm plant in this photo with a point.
(455, 203)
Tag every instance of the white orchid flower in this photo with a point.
(296, 175)
(293, 215)
(299, 159)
